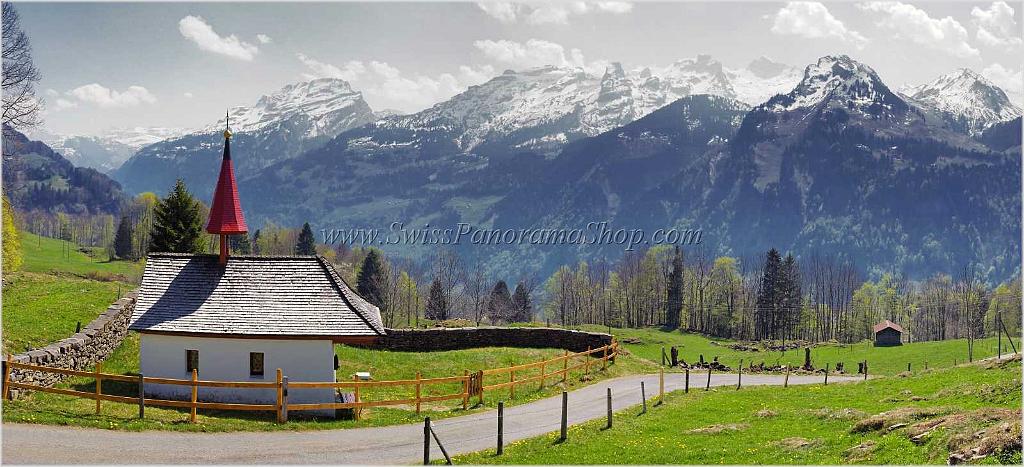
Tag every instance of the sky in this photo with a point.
(109, 65)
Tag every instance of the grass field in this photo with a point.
(798, 425)
(881, 360)
(44, 302)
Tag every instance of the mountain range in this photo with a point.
(828, 159)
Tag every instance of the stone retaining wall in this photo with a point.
(80, 351)
(428, 340)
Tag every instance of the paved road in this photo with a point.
(400, 444)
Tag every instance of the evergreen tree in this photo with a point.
(437, 305)
(522, 305)
(123, 240)
(499, 304)
(256, 250)
(790, 296)
(372, 277)
(241, 244)
(307, 242)
(674, 301)
(12, 243)
(177, 225)
(768, 296)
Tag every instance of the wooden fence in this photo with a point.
(471, 385)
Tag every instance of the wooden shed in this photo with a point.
(888, 333)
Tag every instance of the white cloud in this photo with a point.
(264, 39)
(188, 95)
(195, 29)
(996, 26)
(501, 11)
(104, 97)
(62, 103)
(387, 87)
(52, 92)
(1011, 81)
(550, 12)
(812, 20)
(912, 23)
(532, 53)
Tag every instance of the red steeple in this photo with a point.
(226, 212)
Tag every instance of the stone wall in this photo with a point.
(427, 340)
(80, 351)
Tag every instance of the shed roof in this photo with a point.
(292, 296)
(888, 324)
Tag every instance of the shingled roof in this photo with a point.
(292, 296)
(888, 324)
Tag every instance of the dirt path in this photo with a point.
(400, 444)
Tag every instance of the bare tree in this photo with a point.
(20, 105)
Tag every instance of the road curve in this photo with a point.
(399, 444)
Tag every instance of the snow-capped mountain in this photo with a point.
(541, 109)
(327, 105)
(107, 150)
(968, 100)
(840, 80)
(296, 118)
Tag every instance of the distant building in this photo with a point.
(888, 333)
(240, 318)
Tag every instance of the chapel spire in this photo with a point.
(226, 210)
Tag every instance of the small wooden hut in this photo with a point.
(888, 333)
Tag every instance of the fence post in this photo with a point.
(663, 355)
(586, 361)
(543, 363)
(865, 370)
(480, 383)
(358, 412)
(195, 393)
(142, 398)
(687, 386)
(739, 375)
(609, 409)
(565, 366)
(99, 386)
(708, 387)
(565, 415)
(661, 386)
(418, 386)
(604, 358)
(280, 396)
(501, 426)
(465, 390)
(512, 386)
(643, 398)
(785, 383)
(908, 367)
(284, 399)
(826, 374)
(926, 365)
(7, 378)
(426, 441)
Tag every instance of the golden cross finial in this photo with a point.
(227, 125)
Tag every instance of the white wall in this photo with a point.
(222, 359)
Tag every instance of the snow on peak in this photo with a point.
(969, 99)
(324, 101)
(844, 80)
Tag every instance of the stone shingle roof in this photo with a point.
(251, 295)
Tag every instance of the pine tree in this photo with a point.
(790, 296)
(674, 301)
(522, 305)
(256, 243)
(499, 303)
(370, 282)
(437, 305)
(768, 296)
(307, 242)
(240, 244)
(177, 227)
(123, 240)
